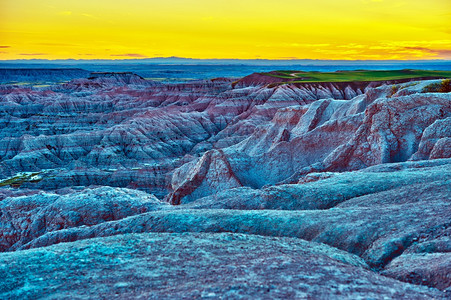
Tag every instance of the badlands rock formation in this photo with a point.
(40, 75)
(117, 185)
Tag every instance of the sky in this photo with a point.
(240, 29)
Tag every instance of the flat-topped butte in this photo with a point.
(357, 75)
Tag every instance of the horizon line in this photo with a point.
(234, 59)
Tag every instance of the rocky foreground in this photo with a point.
(117, 186)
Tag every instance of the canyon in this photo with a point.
(234, 188)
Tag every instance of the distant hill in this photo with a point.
(196, 61)
(35, 75)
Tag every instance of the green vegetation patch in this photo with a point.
(358, 75)
(19, 179)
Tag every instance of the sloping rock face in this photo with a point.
(277, 191)
(28, 217)
(330, 135)
(189, 266)
(203, 177)
(121, 130)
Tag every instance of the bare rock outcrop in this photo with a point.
(290, 183)
(341, 135)
(25, 218)
(196, 266)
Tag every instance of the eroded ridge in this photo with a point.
(225, 189)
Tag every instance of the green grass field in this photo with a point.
(358, 75)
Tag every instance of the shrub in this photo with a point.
(394, 89)
(438, 87)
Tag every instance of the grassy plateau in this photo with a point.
(358, 75)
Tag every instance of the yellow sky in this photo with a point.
(315, 29)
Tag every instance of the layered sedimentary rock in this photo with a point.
(95, 163)
(106, 127)
(339, 135)
(25, 218)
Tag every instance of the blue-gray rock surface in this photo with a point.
(124, 187)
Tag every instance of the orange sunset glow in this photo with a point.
(243, 29)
